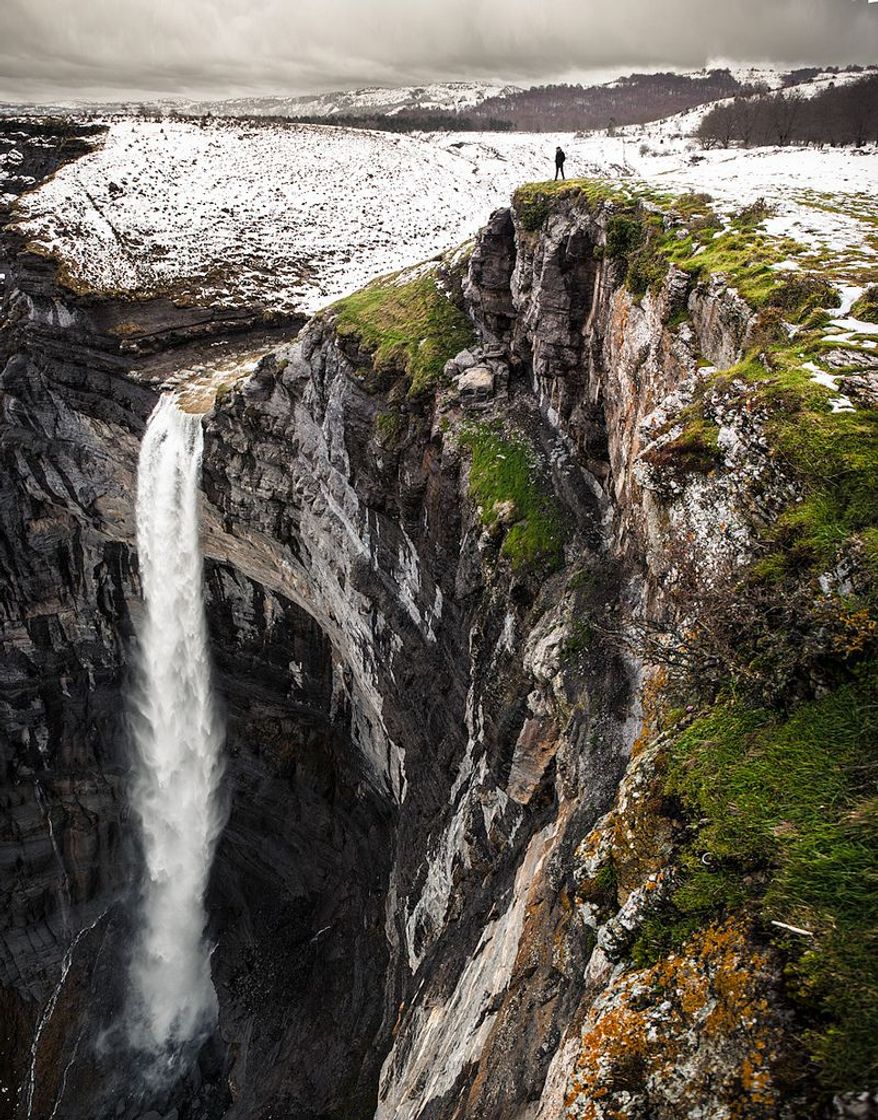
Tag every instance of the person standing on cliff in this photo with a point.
(559, 162)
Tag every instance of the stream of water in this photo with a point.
(178, 736)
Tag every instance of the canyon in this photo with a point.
(444, 609)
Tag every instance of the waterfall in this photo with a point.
(178, 736)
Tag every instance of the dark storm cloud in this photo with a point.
(88, 47)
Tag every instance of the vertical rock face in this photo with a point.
(503, 733)
(428, 724)
(299, 880)
(494, 758)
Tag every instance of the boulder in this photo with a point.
(477, 383)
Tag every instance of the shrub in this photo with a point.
(768, 330)
(705, 223)
(753, 215)
(646, 269)
(624, 234)
(799, 293)
(389, 428)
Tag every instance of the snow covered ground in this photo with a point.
(290, 216)
(295, 217)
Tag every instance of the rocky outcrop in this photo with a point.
(446, 827)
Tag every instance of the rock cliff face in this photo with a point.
(447, 821)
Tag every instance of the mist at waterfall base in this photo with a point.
(178, 736)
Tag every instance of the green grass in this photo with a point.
(744, 254)
(836, 456)
(702, 247)
(700, 242)
(833, 457)
(534, 201)
(866, 307)
(692, 205)
(409, 326)
(699, 245)
(787, 820)
(505, 468)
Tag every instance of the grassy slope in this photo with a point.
(784, 808)
(504, 469)
(408, 325)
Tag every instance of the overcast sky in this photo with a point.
(107, 48)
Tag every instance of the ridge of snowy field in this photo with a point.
(293, 217)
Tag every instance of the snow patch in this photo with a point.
(839, 403)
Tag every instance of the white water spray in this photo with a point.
(179, 738)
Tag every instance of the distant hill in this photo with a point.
(638, 98)
(371, 101)
(635, 99)
(489, 106)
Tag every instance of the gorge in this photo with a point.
(471, 597)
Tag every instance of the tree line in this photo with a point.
(410, 120)
(406, 120)
(636, 99)
(839, 115)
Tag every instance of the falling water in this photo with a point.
(178, 736)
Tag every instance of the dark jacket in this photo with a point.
(559, 157)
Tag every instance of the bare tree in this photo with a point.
(844, 114)
(786, 109)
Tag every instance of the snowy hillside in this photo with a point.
(438, 97)
(289, 216)
(442, 97)
(294, 217)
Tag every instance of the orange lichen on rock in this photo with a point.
(698, 1034)
(643, 833)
